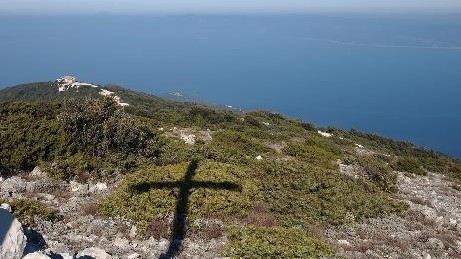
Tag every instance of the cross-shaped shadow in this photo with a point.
(185, 185)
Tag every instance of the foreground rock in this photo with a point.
(12, 186)
(12, 239)
(94, 252)
(36, 255)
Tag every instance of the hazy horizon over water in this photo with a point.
(399, 76)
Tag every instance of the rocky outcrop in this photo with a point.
(36, 255)
(13, 186)
(12, 238)
(93, 252)
(430, 228)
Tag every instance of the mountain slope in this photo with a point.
(186, 170)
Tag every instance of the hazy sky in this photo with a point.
(227, 6)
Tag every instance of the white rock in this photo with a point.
(37, 172)
(163, 244)
(66, 256)
(343, 242)
(14, 184)
(12, 236)
(435, 243)
(133, 256)
(98, 187)
(101, 186)
(6, 207)
(79, 188)
(36, 255)
(133, 232)
(259, 158)
(121, 243)
(325, 134)
(94, 252)
(74, 186)
(358, 145)
(458, 246)
(452, 223)
(188, 138)
(30, 187)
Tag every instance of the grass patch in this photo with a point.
(275, 242)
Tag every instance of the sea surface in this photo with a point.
(396, 75)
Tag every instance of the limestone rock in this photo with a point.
(66, 256)
(99, 187)
(134, 256)
(79, 188)
(458, 246)
(94, 252)
(14, 184)
(36, 255)
(133, 232)
(13, 240)
(344, 242)
(435, 243)
(30, 187)
(37, 173)
(7, 207)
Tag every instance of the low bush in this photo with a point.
(273, 242)
(217, 191)
(301, 194)
(313, 152)
(26, 211)
(235, 147)
(379, 173)
(409, 165)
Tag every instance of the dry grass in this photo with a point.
(90, 208)
(159, 228)
(206, 231)
(260, 215)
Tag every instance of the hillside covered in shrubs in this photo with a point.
(269, 179)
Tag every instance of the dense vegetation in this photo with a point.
(276, 242)
(296, 178)
(72, 138)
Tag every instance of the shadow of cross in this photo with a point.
(185, 185)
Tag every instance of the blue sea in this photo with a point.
(396, 75)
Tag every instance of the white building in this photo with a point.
(66, 80)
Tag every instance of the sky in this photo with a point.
(226, 6)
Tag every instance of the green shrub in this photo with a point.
(300, 194)
(275, 242)
(315, 152)
(151, 193)
(28, 133)
(409, 164)
(72, 138)
(235, 147)
(379, 173)
(26, 211)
